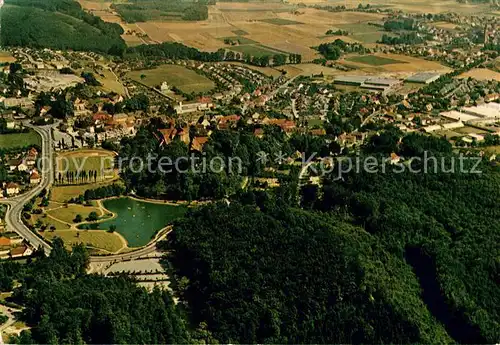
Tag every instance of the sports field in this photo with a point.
(82, 162)
(9, 141)
(185, 79)
(373, 60)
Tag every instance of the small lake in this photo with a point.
(137, 221)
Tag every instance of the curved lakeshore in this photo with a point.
(137, 221)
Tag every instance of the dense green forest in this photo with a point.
(284, 275)
(169, 50)
(66, 306)
(371, 258)
(58, 24)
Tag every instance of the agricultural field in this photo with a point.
(373, 60)
(49, 222)
(185, 79)
(9, 141)
(255, 50)
(239, 39)
(364, 32)
(404, 67)
(309, 69)
(83, 163)
(481, 74)
(419, 6)
(280, 21)
(276, 26)
(103, 9)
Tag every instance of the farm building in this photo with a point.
(423, 78)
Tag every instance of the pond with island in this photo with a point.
(137, 221)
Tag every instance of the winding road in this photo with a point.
(16, 204)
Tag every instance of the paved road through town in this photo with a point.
(15, 205)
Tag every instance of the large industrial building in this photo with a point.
(485, 113)
(423, 78)
(368, 82)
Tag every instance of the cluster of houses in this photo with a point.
(21, 165)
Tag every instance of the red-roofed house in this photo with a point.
(226, 122)
(35, 177)
(198, 143)
(12, 188)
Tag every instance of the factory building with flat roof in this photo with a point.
(367, 82)
(354, 80)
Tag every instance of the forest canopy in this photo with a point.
(58, 24)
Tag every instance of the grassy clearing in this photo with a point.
(65, 193)
(91, 238)
(109, 82)
(280, 21)
(185, 79)
(49, 222)
(363, 32)
(255, 50)
(373, 60)
(315, 123)
(68, 214)
(9, 141)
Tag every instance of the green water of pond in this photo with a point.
(137, 221)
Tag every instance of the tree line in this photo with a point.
(178, 51)
(49, 22)
(65, 305)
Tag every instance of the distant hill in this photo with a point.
(58, 24)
